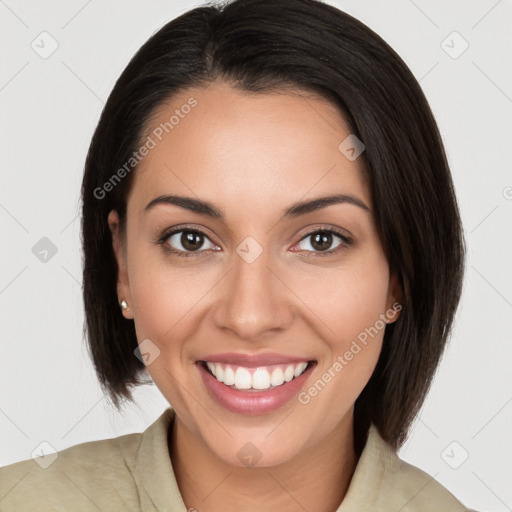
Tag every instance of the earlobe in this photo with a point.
(123, 285)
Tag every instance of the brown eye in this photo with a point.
(322, 241)
(188, 241)
(191, 241)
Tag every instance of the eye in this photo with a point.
(193, 242)
(186, 242)
(321, 241)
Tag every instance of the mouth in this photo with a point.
(253, 390)
(255, 379)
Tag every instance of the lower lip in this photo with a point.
(253, 402)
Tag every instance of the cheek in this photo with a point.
(167, 299)
(163, 304)
(162, 300)
(351, 299)
(352, 304)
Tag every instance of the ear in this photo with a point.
(394, 300)
(123, 284)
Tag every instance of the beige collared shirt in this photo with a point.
(134, 473)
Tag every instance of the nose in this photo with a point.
(253, 299)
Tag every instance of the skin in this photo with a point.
(253, 156)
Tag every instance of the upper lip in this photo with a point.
(253, 360)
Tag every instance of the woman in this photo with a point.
(270, 232)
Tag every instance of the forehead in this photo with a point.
(246, 150)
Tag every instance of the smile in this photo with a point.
(254, 390)
(260, 378)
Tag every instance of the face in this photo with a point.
(249, 285)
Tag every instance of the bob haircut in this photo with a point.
(264, 46)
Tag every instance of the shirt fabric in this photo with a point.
(134, 472)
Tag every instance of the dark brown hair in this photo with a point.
(262, 46)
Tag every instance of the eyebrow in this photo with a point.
(295, 210)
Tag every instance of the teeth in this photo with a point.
(299, 369)
(277, 377)
(219, 372)
(229, 376)
(242, 378)
(261, 378)
(289, 373)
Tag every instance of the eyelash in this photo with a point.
(346, 241)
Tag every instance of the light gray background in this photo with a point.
(49, 109)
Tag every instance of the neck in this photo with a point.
(315, 480)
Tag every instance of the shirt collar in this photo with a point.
(154, 475)
(159, 490)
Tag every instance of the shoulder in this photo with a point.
(87, 476)
(382, 482)
(419, 491)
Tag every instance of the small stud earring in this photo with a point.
(123, 304)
